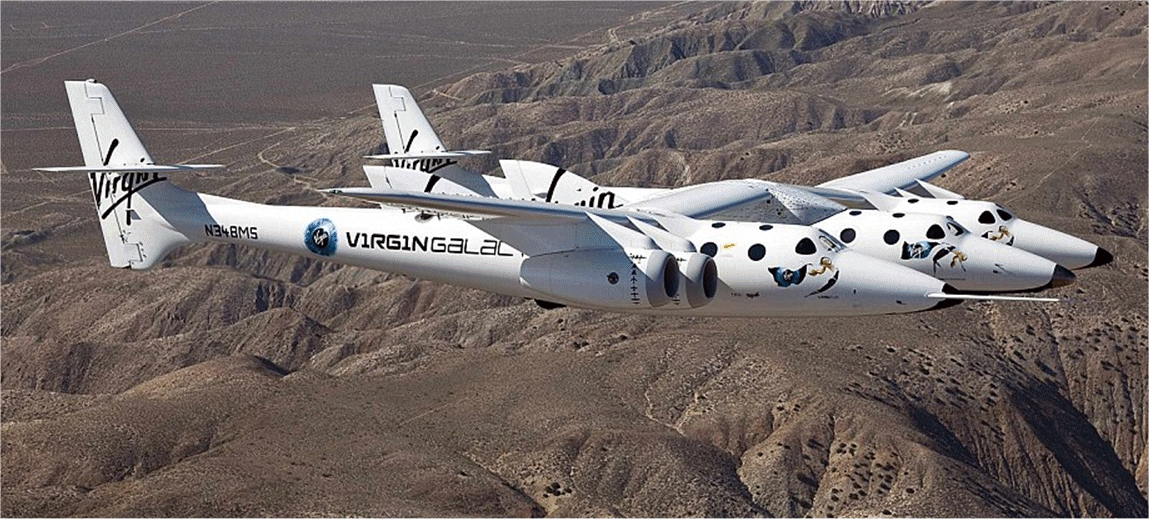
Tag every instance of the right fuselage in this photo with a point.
(938, 246)
(993, 222)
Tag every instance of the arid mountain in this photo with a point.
(235, 382)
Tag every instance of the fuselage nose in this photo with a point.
(1063, 249)
(994, 267)
(885, 287)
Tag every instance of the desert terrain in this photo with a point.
(237, 382)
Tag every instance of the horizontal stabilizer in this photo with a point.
(981, 297)
(459, 154)
(143, 168)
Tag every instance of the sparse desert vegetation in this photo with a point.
(233, 381)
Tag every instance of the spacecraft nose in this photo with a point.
(1063, 249)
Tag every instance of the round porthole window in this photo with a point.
(848, 235)
(756, 252)
(612, 278)
(709, 249)
(891, 237)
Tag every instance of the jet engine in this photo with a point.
(701, 276)
(604, 278)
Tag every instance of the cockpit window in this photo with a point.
(935, 232)
(986, 217)
(1005, 216)
(806, 247)
(953, 226)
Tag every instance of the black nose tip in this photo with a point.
(1061, 277)
(1101, 258)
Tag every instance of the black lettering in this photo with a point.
(606, 200)
(396, 242)
(236, 232)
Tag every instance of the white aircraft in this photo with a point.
(625, 260)
(932, 243)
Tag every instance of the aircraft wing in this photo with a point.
(463, 205)
(748, 200)
(902, 175)
(534, 227)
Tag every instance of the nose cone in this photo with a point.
(1061, 277)
(1102, 257)
(993, 267)
(873, 286)
(1056, 246)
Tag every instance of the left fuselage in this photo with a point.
(763, 270)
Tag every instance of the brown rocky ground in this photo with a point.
(238, 382)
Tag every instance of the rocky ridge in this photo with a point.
(239, 382)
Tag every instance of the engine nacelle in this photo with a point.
(700, 274)
(610, 279)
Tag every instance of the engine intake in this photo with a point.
(701, 276)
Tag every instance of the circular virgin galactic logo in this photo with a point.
(320, 237)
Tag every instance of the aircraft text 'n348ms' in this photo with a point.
(652, 260)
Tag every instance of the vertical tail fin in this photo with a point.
(404, 125)
(531, 180)
(106, 137)
(132, 193)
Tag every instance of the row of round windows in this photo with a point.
(985, 217)
(757, 251)
(891, 237)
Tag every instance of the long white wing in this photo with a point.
(902, 175)
(474, 206)
(534, 227)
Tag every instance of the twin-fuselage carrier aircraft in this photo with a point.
(879, 242)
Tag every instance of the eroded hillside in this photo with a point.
(239, 382)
